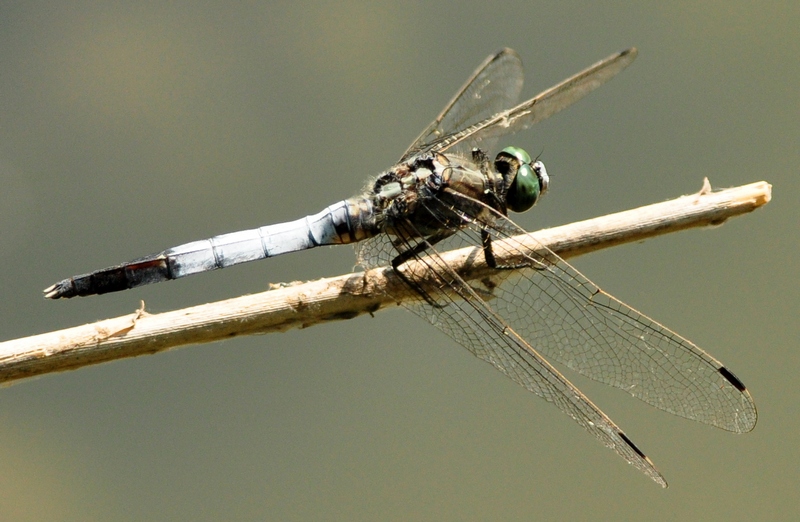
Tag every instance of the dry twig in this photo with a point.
(343, 297)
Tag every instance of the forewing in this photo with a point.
(569, 319)
(493, 87)
(539, 107)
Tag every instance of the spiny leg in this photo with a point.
(488, 254)
(413, 252)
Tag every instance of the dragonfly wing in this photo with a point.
(541, 106)
(493, 87)
(465, 316)
(572, 321)
(569, 319)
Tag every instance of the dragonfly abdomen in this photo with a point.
(344, 222)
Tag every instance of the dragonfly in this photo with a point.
(444, 192)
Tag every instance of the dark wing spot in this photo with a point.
(632, 445)
(739, 385)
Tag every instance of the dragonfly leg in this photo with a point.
(488, 254)
(413, 252)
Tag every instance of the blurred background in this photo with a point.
(127, 128)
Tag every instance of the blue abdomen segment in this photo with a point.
(333, 226)
(345, 222)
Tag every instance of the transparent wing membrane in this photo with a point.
(538, 108)
(493, 87)
(458, 310)
(550, 310)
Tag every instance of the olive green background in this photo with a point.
(126, 128)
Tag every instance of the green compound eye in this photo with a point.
(529, 183)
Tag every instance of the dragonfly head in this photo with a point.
(526, 180)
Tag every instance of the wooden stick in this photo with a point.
(299, 305)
